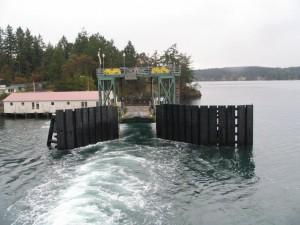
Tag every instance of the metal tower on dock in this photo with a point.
(165, 77)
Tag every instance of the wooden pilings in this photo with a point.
(84, 126)
(206, 125)
(52, 131)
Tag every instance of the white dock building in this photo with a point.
(48, 102)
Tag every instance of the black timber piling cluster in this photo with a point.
(84, 126)
(206, 125)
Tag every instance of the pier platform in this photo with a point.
(137, 114)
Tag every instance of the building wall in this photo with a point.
(2, 88)
(10, 90)
(44, 106)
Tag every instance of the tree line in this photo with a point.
(67, 66)
(248, 73)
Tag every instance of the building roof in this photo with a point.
(53, 96)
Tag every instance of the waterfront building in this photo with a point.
(48, 102)
(12, 88)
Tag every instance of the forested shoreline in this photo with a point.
(247, 73)
(67, 66)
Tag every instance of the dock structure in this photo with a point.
(167, 79)
(137, 114)
(80, 127)
(206, 125)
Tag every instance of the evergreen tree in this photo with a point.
(57, 61)
(20, 39)
(143, 60)
(38, 51)
(155, 59)
(130, 54)
(9, 49)
(1, 39)
(4, 62)
(25, 56)
(83, 65)
(95, 42)
(46, 62)
(66, 47)
(114, 56)
(173, 57)
(28, 54)
(9, 42)
(81, 43)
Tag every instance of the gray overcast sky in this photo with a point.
(216, 33)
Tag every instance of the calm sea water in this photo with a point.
(143, 180)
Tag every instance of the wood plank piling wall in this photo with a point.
(206, 125)
(85, 126)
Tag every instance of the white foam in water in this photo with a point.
(77, 206)
(47, 125)
(108, 188)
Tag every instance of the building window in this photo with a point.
(11, 104)
(33, 105)
(83, 104)
(37, 105)
(68, 103)
(22, 103)
(52, 103)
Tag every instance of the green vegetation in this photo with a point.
(248, 73)
(70, 66)
(3, 96)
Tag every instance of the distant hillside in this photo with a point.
(247, 73)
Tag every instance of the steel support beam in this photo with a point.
(106, 86)
(166, 89)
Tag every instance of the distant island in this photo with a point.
(247, 73)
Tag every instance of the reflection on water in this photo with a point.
(138, 179)
(2, 121)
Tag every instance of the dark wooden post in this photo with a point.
(212, 125)
(92, 125)
(98, 124)
(170, 122)
(104, 110)
(159, 121)
(109, 124)
(61, 129)
(85, 126)
(51, 130)
(241, 125)
(70, 129)
(203, 125)
(222, 125)
(188, 124)
(195, 125)
(182, 123)
(231, 125)
(164, 122)
(115, 122)
(249, 125)
(79, 127)
(176, 126)
(206, 125)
